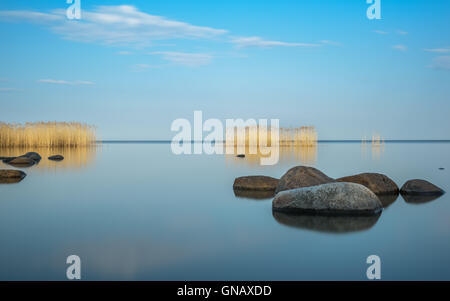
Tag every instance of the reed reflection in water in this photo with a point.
(288, 153)
(74, 157)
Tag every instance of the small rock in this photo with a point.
(378, 183)
(420, 187)
(34, 156)
(258, 183)
(302, 176)
(8, 176)
(331, 198)
(22, 162)
(241, 156)
(56, 158)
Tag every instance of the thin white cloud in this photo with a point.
(380, 32)
(441, 62)
(185, 58)
(8, 89)
(65, 82)
(332, 43)
(439, 50)
(242, 42)
(124, 53)
(401, 32)
(142, 67)
(114, 25)
(400, 47)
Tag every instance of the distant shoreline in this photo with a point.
(318, 141)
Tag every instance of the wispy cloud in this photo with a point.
(142, 67)
(441, 62)
(380, 32)
(65, 82)
(185, 58)
(332, 43)
(439, 50)
(242, 42)
(124, 53)
(8, 89)
(400, 47)
(401, 32)
(114, 25)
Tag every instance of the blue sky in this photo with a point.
(131, 70)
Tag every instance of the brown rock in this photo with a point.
(378, 183)
(8, 176)
(420, 187)
(302, 176)
(257, 183)
(22, 162)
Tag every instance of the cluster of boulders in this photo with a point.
(8, 176)
(308, 190)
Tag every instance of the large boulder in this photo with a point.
(21, 162)
(420, 187)
(331, 198)
(8, 176)
(378, 183)
(302, 176)
(257, 183)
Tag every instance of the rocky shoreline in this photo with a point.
(307, 190)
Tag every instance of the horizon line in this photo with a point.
(318, 141)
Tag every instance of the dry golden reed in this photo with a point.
(47, 134)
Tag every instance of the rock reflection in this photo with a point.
(74, 157)
(327, 224)
(252, 194)
(388, 199)
(419, 199)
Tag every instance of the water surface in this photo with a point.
(135, 211)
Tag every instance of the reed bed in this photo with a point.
(46, 134)
(300, 136)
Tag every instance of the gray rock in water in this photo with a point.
(420, 187)
(331, 198)
(56, 158)
(378, 183)
(21, 162)
(259, 183)
(34, 156)
(302, 176)
(8, 176)
(327, 224)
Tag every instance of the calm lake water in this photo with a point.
(139, 212)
